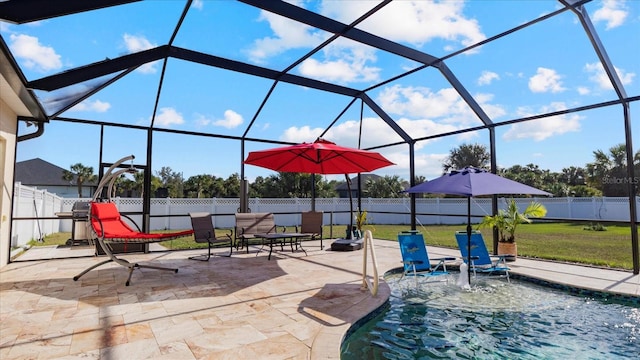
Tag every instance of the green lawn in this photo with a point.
(551, 241)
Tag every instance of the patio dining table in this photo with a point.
(280, 239)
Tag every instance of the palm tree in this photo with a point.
(573, 175)
(138, 179)
(608, 172)
(475, 155)
(80, 174)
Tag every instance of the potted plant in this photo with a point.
(507, 221)
(361, 221)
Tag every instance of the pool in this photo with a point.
(494, 320)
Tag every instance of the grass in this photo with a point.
(567, 242)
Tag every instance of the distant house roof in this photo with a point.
(37, 172)
(354, 182)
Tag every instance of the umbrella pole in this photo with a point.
(313, 192)
(350, 230)
(469, 238)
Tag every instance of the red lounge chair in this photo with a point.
(108, 226)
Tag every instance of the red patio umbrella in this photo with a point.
(319, 157)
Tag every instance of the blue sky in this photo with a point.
(546, 67)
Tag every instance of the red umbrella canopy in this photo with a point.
(319, 157)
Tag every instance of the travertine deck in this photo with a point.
(242, 307)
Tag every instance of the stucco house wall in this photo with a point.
(8, 131)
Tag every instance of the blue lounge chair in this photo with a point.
(481, 261)
(415, 257)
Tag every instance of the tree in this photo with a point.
(324, 188)
(231, 186)
(123, 187)
(530, 174)
(80, 174)
(465, 155)
(384, 187)
(608, 172)
(288, 185)
(172, 181)
(199, 186)
(573, 175)
(138, 179)
(419, 179)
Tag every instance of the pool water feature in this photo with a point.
(494, 319)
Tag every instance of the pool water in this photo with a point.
(495, 320)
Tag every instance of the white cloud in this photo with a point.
(342, 61)
(348, 65)
(4, 27)
(446, 105)
(140, 43)
(419, 101)
(546, 80)
(136, 43)
(287, 34)
(33, 54)
(201, 120)
(416, 22)
(378, 132)
(583, 90)
(169, 116)
(613, 12)
(487, 77)
(346, 61)
(231, 120)
(198, 4)
(541, 129)
(97, 106)
(599, 76)
(426, 164)
(301, 134)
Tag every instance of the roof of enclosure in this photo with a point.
(396, 71)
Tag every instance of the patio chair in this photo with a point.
(481, 260)
(311, 224)
(108, 227)
(416, 258)
(205, 232)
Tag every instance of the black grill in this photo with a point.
(80, 217)
(80, 210)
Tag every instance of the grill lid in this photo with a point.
(81, 208)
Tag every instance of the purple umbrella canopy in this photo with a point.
(472, 181)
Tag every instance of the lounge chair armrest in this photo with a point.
(130, 220)
(413, 262)
(242, 232)
(101, 234)
(474, 257)
(497, 259)
(448, 258)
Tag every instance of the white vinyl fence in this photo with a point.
(172, 214)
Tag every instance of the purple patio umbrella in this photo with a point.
(472, 181)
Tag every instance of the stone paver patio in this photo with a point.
(240, 307)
